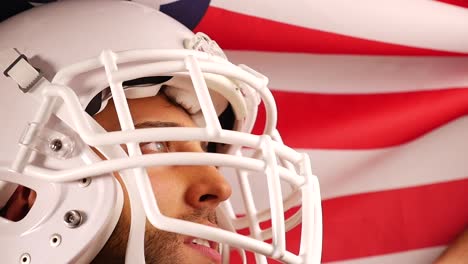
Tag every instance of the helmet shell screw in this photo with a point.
(73, 219)
(56, 145)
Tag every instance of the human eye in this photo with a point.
(204, 146)
(154, 147)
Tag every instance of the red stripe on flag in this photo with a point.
(363, 121)
(386, 222)
(393, 221)
(293, 238)
(460, 3)
(243, 32)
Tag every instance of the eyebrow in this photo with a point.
(149, 124)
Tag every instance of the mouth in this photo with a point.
(209, 249)
(202, 242)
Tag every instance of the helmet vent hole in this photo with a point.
(85, 182)
(25, 258)
(55, 240)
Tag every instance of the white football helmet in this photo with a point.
(61, 62)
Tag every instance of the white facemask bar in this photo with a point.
(197, 63)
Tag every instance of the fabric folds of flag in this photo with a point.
(376, 93)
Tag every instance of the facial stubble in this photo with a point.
(161, 247)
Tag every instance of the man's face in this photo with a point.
(186, 192)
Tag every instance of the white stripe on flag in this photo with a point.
(345, 74)
(409, 23)
(438, 156)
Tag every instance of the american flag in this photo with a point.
(376, 93)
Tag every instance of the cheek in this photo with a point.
(169, 189)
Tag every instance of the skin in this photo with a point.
(457, 252)
(186, 192)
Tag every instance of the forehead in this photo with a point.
(154, 108)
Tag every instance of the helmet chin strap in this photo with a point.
(15, 65)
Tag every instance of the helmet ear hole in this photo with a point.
(19, 204)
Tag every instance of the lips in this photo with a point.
(209, 249)
(204, 247)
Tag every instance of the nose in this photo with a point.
(207, 188)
